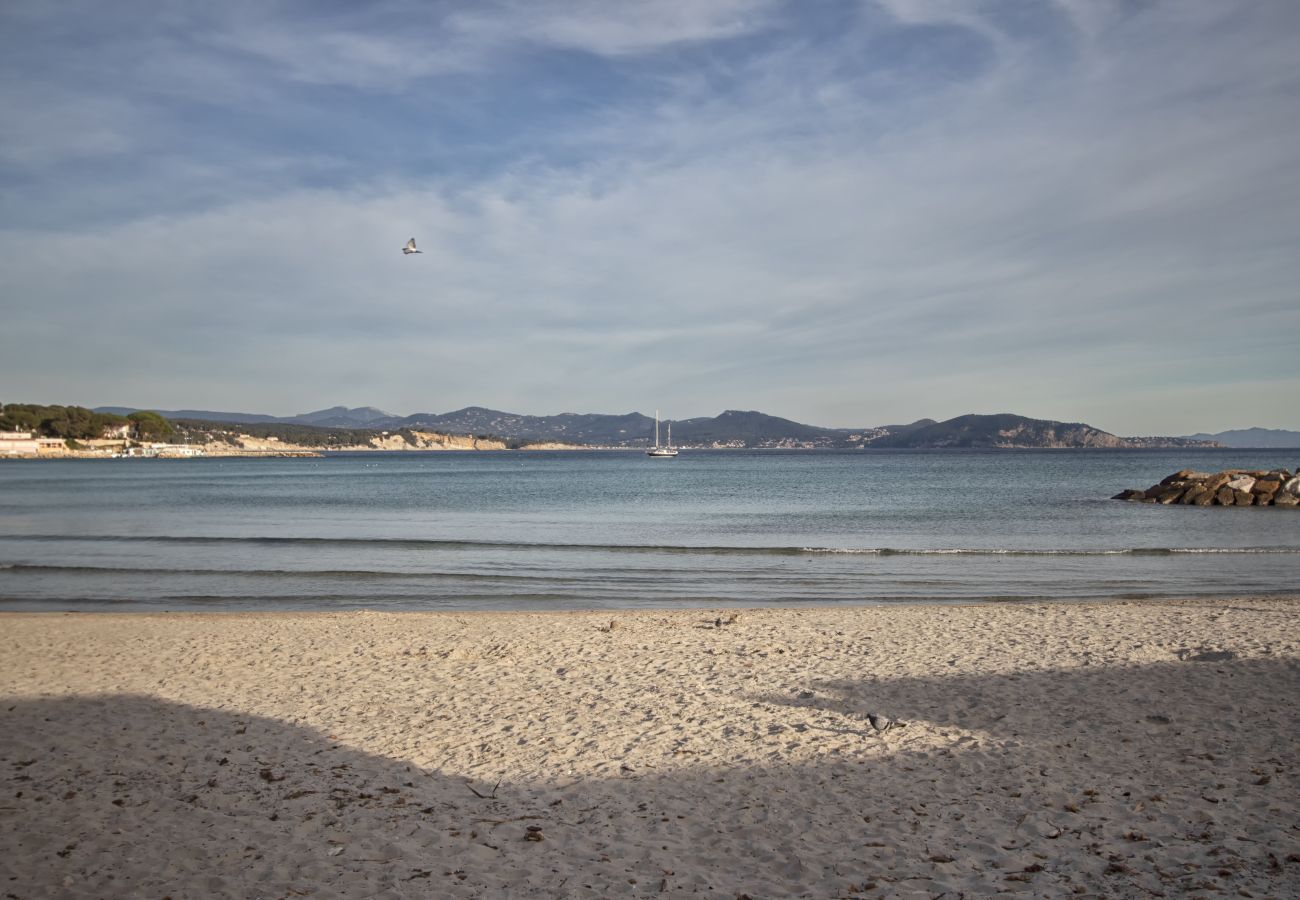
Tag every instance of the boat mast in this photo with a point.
(656, 428)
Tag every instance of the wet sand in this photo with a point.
(1113, 750)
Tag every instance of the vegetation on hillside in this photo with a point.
(1001, 430)
(76, 423)
(67, 422)
(149, 426)
(316, 436)
(200, 431)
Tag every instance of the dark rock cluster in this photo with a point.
(1232, 487)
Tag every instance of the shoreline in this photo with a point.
(111, 608)
(303, 451)
(121, 608)
(1112, 748)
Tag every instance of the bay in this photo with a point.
(614, 529)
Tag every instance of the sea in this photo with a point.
(565, 530)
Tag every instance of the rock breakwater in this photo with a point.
(1231, 487)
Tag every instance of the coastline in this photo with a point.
(1114, 749)
(248, 446)
(430, 443)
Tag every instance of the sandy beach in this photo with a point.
(1124, 749)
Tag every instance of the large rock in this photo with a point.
(1217, 481)
(1269, 484)
(1231, 487)
(1186, 475)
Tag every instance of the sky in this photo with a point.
(844, 212)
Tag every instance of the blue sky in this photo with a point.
(846, 213)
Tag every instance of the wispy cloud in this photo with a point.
(858, 214)
(635, 27)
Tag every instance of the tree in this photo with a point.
(22, 417)
(75, 422)
(149, 426)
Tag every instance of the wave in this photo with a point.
(726, 550)
(340, 574)
(1000, 551)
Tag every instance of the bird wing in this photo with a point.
(410, 245)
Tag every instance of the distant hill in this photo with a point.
(205, 415)
(732, 428)
(1252, 437)
(1011, 431)
(334, 417)
(740, 428)
(904, 429)
(342, 417)
(629, 429)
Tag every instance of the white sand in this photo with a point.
(1049, 749)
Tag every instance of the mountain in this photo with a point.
(732, 428)
(334, 417)
(1252, 437)
(205, 415)
(342, 417)
(903, 429)
(737, 428)
(630, 429)
(1011, 431)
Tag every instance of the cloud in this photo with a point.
(635, 27)
(914, 209)
(389, 46)
(61, 126)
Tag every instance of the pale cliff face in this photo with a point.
(391, 442)
(1029, 436)
(424, 440)
(411, 440)
(432, 440)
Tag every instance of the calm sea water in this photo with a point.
(581, 530)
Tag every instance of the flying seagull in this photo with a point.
(410, 247)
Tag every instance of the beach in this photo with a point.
(1109, 749)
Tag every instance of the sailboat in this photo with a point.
(667, 450)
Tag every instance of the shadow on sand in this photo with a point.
(1088, 781)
